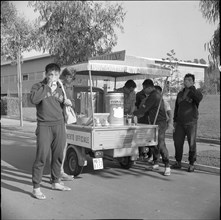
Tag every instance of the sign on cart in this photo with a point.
(98, 163)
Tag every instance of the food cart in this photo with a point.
(98, 140)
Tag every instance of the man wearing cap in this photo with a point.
(129, 96)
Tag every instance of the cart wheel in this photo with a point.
(72, 162)
(125, 162)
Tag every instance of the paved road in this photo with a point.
(111, 193)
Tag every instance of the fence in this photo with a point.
(9, 106)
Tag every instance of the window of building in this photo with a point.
(25, 77)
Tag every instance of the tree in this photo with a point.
(8, 13)
(202, 61)
(76, 30)
(16, 36)
(210, 11)
(195, 61)
(16, 32)
(172, 63)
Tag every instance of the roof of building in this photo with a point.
(26, 59)
(182, 63)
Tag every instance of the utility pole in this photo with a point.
(19, 83)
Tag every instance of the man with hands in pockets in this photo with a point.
(49, 100)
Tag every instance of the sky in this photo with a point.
(153, 28)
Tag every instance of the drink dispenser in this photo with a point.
(82, 96)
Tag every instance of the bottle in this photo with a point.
(135, 120)
(127, 118)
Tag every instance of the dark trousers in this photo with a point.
(161, 149)
(48, 137)
(181, 131)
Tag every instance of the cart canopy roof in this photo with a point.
(119, 64)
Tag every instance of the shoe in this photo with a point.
(38, 194)
(191, 168)
(167, 171)
(66, 177)
(58, 186)
(149, 159)
(62, 183)
(155, 167)
(177, 165)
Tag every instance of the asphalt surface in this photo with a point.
(112, 193)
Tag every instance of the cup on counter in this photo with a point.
(135, 120)
(129, 121)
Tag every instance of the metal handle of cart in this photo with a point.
(92, 103)
(158, 109)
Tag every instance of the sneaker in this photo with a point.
(66, 177)
(167, 171)
(38, 194)
(155, 167)
(177, 165)
(62, 183)
(191, 168)
(148, 159)
(58, 186)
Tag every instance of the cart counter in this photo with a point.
(112, 137)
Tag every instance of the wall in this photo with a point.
(32, 71)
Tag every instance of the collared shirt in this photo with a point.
(166, 105)
(129, 100)
(69, 90)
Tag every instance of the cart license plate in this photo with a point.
(98, 163)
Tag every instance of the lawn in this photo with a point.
(209, 117)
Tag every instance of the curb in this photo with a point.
(199, 139)
(198, 167)
(186, 165)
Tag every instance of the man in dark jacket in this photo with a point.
(141, 97)
(185, 121)
(49, 100)
(149, 107)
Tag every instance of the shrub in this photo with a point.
(9, 106)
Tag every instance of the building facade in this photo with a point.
(32, 71)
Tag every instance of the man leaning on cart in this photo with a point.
(150, 107)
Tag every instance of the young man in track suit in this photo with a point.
(49, 101)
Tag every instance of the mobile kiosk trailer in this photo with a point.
(121, 142)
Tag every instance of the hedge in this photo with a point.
(9, 106)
